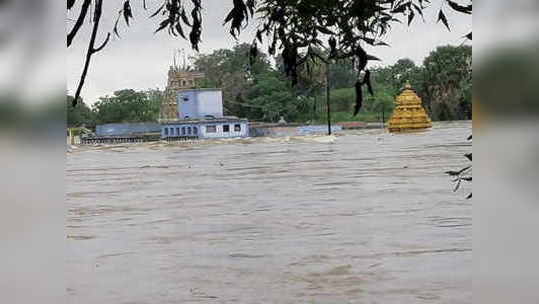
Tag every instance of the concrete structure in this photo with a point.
(125, 129)
(200, 115)
(224, 127)
(409, 114)
(200, 104)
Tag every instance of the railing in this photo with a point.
(181, 138)
(119, 139)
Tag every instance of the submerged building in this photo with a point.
(200, 115)
(409, 115)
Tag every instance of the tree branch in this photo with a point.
(102, 45)
(91, 49)
(80, 21)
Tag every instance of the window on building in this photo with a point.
(172, 131)
(195, 130)
(226, 128)
(211, 129)
(183, 130)
(237, 128)
(166, 131)
(178, 131)
(189, 130)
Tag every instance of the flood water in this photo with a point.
(365, 217)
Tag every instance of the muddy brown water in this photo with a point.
(365, 217)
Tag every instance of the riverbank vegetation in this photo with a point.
(260, 91)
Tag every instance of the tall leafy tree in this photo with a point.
(447, 73)
(79, 115)
(128, 106)
(232, 71)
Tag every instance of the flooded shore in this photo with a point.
(360, 217)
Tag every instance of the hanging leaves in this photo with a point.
(185, 20)
(359, 97)
(459, 176)
(367, 81)
(196, 28)
(162, 25)
(259, 36)
(362, 57)
(292, 27)
(158, 11)
(179, 29)
(411, 17)
(400, 9)
(127, 12)
(460, 8)
(443, 18)
(333, 47)
(238, 15)
(253, 53)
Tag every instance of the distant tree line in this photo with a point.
(123, 106)
(258, 90)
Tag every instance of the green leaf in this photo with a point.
(460, 8)
(157, 11)
(411, 17)
(443, 18)
(163, 24)
(127, 12)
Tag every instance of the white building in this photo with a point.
(200, 115)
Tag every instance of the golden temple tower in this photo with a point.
(409, 114)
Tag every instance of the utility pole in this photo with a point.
(327, 96)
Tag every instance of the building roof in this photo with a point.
(225, 119)
(200, 89)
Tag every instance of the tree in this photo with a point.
(343, 74)
(291, 27)
(128, 106)
(272, 97)
(447, 73)
(79, 115)
(232, 71)
(396, 76)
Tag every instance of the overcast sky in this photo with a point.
(140, 59)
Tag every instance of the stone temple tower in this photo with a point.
(179, 78)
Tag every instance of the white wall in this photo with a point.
(210, 103)
(220, 134)
(193, 104)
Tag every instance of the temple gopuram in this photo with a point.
(179, 78)
(409, 114)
